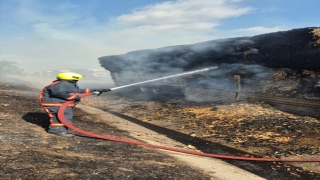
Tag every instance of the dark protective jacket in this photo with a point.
(60, 91)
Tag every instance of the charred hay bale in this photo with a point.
(294, 49)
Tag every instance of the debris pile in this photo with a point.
(303, 84)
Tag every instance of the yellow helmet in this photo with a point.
(69, 76)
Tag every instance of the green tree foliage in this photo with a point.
(9, 67)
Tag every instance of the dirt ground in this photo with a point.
(28, 152)
(258, 129)
(255, 128)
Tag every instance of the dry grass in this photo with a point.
(316, 35)
(94, 102)
(234, 112)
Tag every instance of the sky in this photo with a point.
(72, 34)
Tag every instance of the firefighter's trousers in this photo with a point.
(55, 123)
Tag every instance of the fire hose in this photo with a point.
(220, 156)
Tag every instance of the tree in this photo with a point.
(9, 67)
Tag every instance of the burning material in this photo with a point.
(296, 49)
(316, 35)
(166, 77)
(301, 84)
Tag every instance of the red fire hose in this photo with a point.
(63, 120)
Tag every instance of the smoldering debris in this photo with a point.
(234, 104)
(256, 60)
(285, 49)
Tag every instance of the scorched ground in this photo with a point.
(28, 152)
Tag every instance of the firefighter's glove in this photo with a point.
(77, 99)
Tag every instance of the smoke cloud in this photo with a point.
(45, 35)
(252, 58)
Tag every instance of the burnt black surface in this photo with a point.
(28, 152)
(286, 49)
(268, 170)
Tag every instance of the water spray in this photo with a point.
(61, 115)
(166, 77)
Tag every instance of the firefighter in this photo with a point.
(51, 97)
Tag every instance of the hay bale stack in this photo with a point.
(297, 49)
